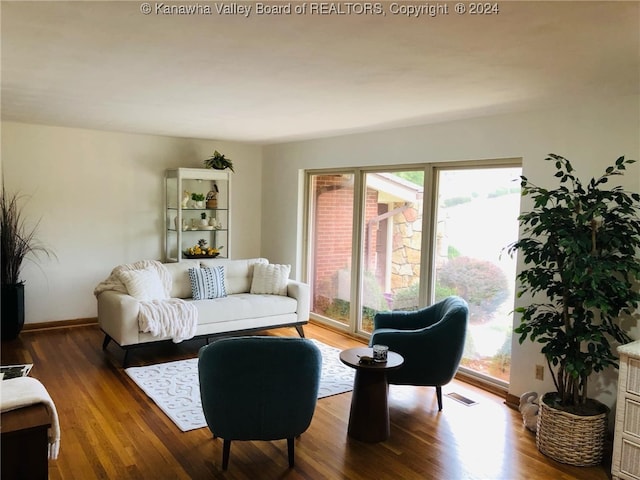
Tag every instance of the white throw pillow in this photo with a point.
(207, 283)
(270, 279)
(143, 284)
(181, 283)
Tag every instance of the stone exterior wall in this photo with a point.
(407, 240)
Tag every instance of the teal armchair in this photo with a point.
(431, 340)
(259, 388)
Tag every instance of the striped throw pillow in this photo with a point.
(207, 283)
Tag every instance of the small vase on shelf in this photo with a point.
(212, 198)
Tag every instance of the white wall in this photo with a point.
(592, 135)
(99, 196)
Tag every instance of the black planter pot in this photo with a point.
(12, 319)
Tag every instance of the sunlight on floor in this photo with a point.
(483, 449)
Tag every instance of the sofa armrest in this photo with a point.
(118, 317)
(300, 291)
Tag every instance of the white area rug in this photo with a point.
(175, 388)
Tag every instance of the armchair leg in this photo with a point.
(226, 448)
(106, 341)
(290, 448)
(439, 395)
(300, 331)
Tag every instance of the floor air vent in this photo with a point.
(462, 399)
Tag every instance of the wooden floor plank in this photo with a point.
(110, 429)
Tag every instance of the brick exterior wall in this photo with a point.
(333, 229)
(333, 236)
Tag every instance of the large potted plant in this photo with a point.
(580, 244)
(17, 242)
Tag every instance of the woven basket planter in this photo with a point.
(572, 439)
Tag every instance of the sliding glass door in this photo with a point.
(391, 243)
(477, 211)
(402, 239)
(364, 246)
(330, 227)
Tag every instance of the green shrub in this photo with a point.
(481, 283)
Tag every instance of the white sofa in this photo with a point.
(238, 312)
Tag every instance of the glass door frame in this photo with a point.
(308, 252)
(357, 245)
(427, 259)
(492, 383)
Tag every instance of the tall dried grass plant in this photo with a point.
(18, 240)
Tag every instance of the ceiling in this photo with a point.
(272, 78)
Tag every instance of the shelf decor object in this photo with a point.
(201, 250)
(187, 223)
(219, 162)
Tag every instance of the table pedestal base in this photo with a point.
(369, 417)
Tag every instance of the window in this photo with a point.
(391, 243)
(476, 212)
(330, 254)
(372, 247)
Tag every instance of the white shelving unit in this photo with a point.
(182, 216)
(626, 443)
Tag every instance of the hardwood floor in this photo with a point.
(111, 430)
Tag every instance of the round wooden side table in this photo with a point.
(369, 416)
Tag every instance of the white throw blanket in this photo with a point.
(24, 391)
(172, 317)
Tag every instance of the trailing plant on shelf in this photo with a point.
(219, 162)
(580, 244)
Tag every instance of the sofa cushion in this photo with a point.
(237, 273)
(144, 284)
(181, 285)
(207, 283)
(243, 306)
(270, 279)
